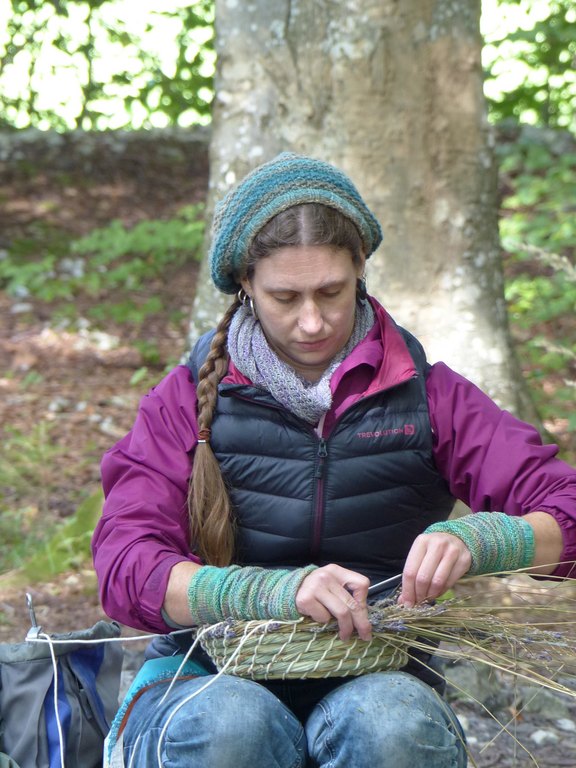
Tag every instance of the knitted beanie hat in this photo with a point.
(283, 182)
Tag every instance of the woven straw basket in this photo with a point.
(296, 650)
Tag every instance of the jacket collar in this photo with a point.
(383, 350)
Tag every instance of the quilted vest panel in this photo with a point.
(357, 498)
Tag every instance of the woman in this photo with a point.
(307, 451)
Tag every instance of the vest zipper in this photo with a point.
(319, 505)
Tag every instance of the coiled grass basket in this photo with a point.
(533, 645)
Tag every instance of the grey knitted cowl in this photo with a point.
(252, 355)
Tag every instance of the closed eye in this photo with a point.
(284, 298)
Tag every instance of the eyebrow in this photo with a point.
(338, 283)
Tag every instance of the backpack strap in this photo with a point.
(199, 354)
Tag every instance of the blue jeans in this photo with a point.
(381, 720)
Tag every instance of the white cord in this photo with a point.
(258, 627)
(48, 639)
(45, 638)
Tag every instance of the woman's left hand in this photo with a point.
(434, 564)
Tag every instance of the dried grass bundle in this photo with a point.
(531, 640)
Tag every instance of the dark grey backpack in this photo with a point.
(33, 732)
(7, 762)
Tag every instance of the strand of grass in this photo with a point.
(503, 727)
(490, 658)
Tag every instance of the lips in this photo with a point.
(312, 346)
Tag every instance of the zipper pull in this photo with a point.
(322, 454)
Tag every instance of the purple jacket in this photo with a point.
(491, 461)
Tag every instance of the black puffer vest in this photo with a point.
(357, 498)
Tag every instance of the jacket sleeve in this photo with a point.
(143, 531)
(493, 461)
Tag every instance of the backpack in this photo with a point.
(33, 732)
(7, 762)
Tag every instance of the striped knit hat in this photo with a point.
(285, 181)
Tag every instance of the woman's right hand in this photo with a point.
(333, 592)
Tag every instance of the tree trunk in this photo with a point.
(390, 91)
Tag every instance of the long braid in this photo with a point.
(211, 523)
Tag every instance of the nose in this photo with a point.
(310, 319)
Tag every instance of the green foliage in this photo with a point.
(151, 246)
(539, 234)
(114, 259)
(64, 547)
(69, 547)
(19, 533)
(93, 65)
(541, 89)
(539, 208)
(25, 461)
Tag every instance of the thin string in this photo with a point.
(45, 638)
(248, 632)
(48, 639)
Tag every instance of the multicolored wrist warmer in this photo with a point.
(497, 542)
(245, 593)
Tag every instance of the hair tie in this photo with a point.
(204, 435)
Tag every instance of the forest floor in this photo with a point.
(80, 382)
(76, 381)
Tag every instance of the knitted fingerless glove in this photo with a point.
(497, 542)
(245, 593)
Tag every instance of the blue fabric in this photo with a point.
(86, 663)
(65, 716)
(152, 671)
(384, 720)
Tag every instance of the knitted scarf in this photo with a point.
(252, 355)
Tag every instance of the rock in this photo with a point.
(544, 737)
(539, 701)
(564, 724)
(467, 682)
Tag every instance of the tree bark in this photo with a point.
(390, 91)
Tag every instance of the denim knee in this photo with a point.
(385, 720)
(232, 723)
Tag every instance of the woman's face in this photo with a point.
(305, 299)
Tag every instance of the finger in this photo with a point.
(358, 587)
(423, 572)
(358, 610)
(428, 575)
(350, 614)
(439, 561)
(333, 592)
(408, 596)
(344, 608)
(454, 562)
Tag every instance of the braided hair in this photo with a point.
(210, 509)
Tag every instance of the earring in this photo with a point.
(246, 301)
(361, 290)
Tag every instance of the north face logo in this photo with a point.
(407, 429)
